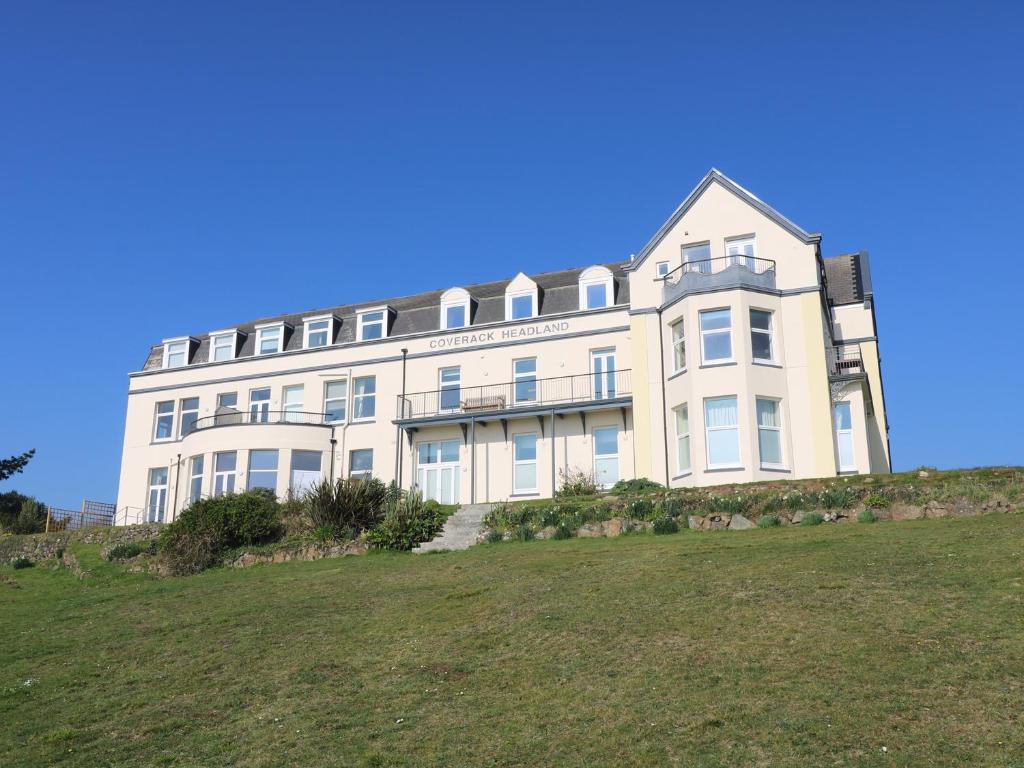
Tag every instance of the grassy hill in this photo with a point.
(895, 644)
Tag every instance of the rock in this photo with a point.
(923, 473)
(797, 517)
(590, 531)
(641, 525)
(695, 522)
(906, 512)
(719, 523)
(546, 533)
(740, 523)
(614, 527)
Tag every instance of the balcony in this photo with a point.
(844, 362)
(229, 417)
(718, 274)
(586, 391)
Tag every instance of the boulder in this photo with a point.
(546, 533)
(590, 531)
(797, 517)
(740, 523)
(718, 523)
(614, 527)
(695, 522)
(906, 512)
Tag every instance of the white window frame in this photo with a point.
(527, 376)
(229, 476)
(341, 399)
(263, 330)
(516, 491)
(362, 322)
(682, 413)
(770, 333)
(596, 275)
(362, 473)
(844, 433)
(661, 268)
(745, 259)
(776, 429)
(185, 343)
(161, 488)
(452, 298)
(360, 397)
(705, 262)
(511, 295)
(249, 470)
(705, 333)
(193, 494)
(453, 383)
(290, 407)
(723, 428)
(158, 414)
(308, 330)
(222, 339)
(606, 456)
(182, 411)
(301, 487)
(678, 345)
(263, 405)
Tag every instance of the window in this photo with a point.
(164, 427)
(292, 403)
(371, 325)
(364, 398)
(317, 332)
(451, 392)
(521, 306)
(195, 485)
(305, 471)
(454, 308)
(437, 471)
(761, 335)
(269, 339)
(740, 251)
(524, 463)
(156, 502)
(175, 353)
(262, 470)
(842, 418)
(222, 346)
(524, 372)
(699, 256)
(259, 405)
(455, 316)
(189, 414)
(224, 469)
(597, 296)
(335, 400)
(597, 288)
(360, 462)
(678, 346)
(661, 268)
(769, 433)
(227, 409)
(716, 335)
(682, 438)
(721, 422)
(606, 456)
(602, 369)
(227, 400)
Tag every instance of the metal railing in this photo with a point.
(93, 514)
(511, 395)
(257, 416)
(844, 360)
(752, 264)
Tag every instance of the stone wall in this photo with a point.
(37, 547)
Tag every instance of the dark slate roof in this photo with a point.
(420, 313)
(847, 278)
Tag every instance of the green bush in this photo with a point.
(494, 537)
(576, 482)
(20, 514)
(866, 516)
(635, 486)
(837, 497)
(208, 528)
(641, 509)
(812, 518)
(732, 504)
(769, 521)
(129, 549)
(562, 531)
(672, 506)
(664, 525)
(347, 507)
(21, 562)
(407, 521)
(524, 533)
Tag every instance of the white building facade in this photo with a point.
(728, 350)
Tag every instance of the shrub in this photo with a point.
(672, 506)
(209, 527)
(21, 514)
(129, 549)
(347, 507)
(812, 518)
(769, 521)
(524, 533)
(866, 516)
(641, 509)
(637, 485)
(21, 562)
(407, 521)
(494, 537)
(837, 497)
(876, 501)
(562, 531)
(664, 525)
(734, 504)
(576, 482)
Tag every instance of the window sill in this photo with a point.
(369, 420)
(680, 372)
(524, 494)
(687, 473)
(766, 363)
(722, 364)
(765, 468)
(737, 468)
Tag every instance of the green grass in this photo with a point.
(783, 647)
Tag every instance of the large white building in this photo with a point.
(727, 350)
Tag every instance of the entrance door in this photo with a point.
(437, 470)
(606, 456)
(157, 501)
(602, 365)
(843, 422)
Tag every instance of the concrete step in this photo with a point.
(460, 531)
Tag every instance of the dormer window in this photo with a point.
(269, 338)
(373, 324)
(455, 309)
(223, 345)
(318, 331)
(522, 306)
(175, 352)
(597, 288)
(521, 298)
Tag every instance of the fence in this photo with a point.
(93, 514)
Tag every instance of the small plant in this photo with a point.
(812, 518)
(21, 562)
(494, 537)
(666, 525)
(637, 485)
(866, 516)
(322, 534)
(407, 521)
(576, 482)
(837, 497)
(129, 549)
(524, 533)
(672, 506)
(876, 501)
(641, 509)
(769, 521)
(562, 531)
(347, 506)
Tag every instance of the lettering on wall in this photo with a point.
(505, 334)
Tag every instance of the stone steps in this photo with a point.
(461, 530)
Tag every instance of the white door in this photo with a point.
(157, 501)
(843, 421)
(606, 456)
(437, 471)
(741, 252)
(602, 366)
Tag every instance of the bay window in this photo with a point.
(769, 433)
(722, 432)
(716, 335)
(195, 485)
(678, 346)
(262, 470)
(225, 467)
(682, 414)
(761, 335)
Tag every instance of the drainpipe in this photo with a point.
(334, 443)
(472, 459)
(398, 428)
(177, 477)
(553, 489)
(664, 415)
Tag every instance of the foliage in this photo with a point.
(812, 518)
(876, 500)
(576, 482)
(21, 562)
(408, 521)
(494, 537)
(837, 497)
(129, 549)
(769, 521)
(12, 506)
(562, 531)
(347, 507)
(866, 516)
(208, 528)
(671, 506)
(31, 517)
(15, 464)
(636, 485)
(641, 509)
(731, 504)
(664, 525)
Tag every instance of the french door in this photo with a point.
(437, 470)
(602, 367)
(741, 252)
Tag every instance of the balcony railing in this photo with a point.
(845, 360)
(257, 416)
(722, 272)
(513, 395)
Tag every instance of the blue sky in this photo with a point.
(171, 168)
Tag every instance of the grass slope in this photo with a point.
(785, 647)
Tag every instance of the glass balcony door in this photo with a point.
(437, 471)
(602, 368)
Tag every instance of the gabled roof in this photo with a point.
(716, 176)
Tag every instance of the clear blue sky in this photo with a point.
(169, 168)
